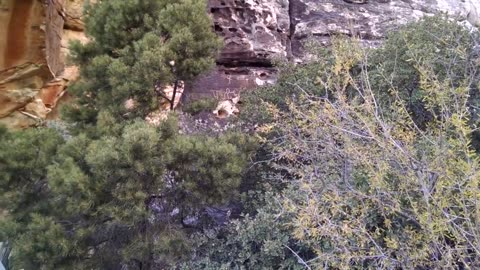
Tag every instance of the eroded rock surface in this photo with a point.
(73, 15)
(226, 82)
(368, 19)
(32, 57)
(34, 37)
(255, 31)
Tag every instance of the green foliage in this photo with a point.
(115, 25)
(24, 157)
(44, 243)
(293, 82)
(376, 160)
(201, 105)
(261, 238)
(259, 242)
(190, 42)
(382, 193)
(138, 48)
(367, 161)
(210, 169)
(85, 203)
(445, 46)
(112, 192)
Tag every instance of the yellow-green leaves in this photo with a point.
(379, 185)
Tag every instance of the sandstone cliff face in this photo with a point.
(32, 66)
(369, 19)
(34, 36)
(257, 30)
(24, 61)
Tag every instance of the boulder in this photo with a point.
(227, 108)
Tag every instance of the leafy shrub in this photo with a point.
(200, 105)
(447, 47)
(293, 81)
(262, 241)
(376, 159)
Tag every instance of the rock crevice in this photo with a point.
(291, 30)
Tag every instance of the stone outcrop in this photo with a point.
(226, 82)
(226, 108)
(33, 75)
(252, 30)
(73, 15)
(370, 20)
(34, 37)
(255, 31)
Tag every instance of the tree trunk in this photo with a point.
(172, 102)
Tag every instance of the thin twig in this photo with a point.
(300, 260)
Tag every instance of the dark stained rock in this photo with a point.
(226, 83)
(253, 30)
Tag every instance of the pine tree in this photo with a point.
(139, 47)
(113, 193)
(107, 203)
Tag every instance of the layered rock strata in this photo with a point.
(33, 75)
(34, 37)
(254, 32)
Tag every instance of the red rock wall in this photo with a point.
(26, 34)
(33, 75)
(23, 20)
